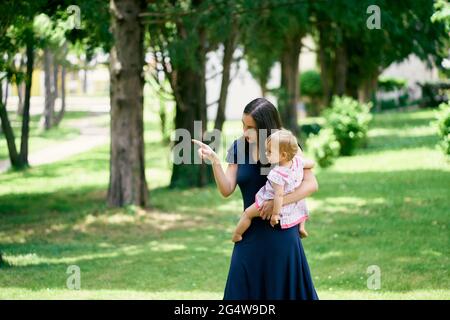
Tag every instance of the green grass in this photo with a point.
(38, 137)
(386, 206)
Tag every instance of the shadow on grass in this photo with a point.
(391, 142)
(358, 219)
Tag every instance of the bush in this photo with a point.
(311, 84)
(311, 89)
(324, 147)
(349, 121)
(434, 94)
(312, 128)
(390, 84)
(443, 125)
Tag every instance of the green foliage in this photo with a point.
(442, 13)
(311, 84)
(324, 147)
(434, 93)
(349, 121)
(443, 125)
(391, 83)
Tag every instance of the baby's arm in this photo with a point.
(277, 202)
(308, 163)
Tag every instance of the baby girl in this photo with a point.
(281, 150)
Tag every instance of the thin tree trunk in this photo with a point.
(127, 183)
(290, 83)
(85, 77)
(325, 68)
(55, 88)
(26, 106)
(9, 133)
(62, 111)
(341, 70)
(6, 93)
(20, 89)
(229, 47)
(49, 102)
(263, 86)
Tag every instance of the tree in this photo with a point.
(274, 35)
(352, 56)
(17, 31)
(230, 42)
(127, 183)
(181, 34)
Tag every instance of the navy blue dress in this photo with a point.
(268, 263)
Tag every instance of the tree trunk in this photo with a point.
(62, 111)
(367, 88)
(9, 133)
(85, 80)
(229, 47)
(341, 66)
(6, 93)
(263, 86)
(127, 183)
(192, 108)
(325, 67)
(49, 102)
(20, 88)
(290, 83)
(190, 87)
(26, 106)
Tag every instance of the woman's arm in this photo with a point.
(226, 181)
(308, 186)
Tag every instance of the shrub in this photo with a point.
(349, 121)
(311, 84)
(311, 89)
(434, 94)
(443, 125)
(390, 84)
(324, 147)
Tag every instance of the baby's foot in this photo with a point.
(303, 233)
(236, 237)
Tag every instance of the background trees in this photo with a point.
(173, 40)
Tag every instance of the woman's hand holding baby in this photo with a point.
(266, 210)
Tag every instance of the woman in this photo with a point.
(268, 263)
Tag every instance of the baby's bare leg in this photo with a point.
(302, 230)
(245, 221)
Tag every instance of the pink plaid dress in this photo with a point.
(292, 213)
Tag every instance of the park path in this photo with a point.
(93, 133)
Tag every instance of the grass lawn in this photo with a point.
(38, 137)
(386, 206)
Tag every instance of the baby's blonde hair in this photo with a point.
(287, 142)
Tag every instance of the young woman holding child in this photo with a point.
(268, 260)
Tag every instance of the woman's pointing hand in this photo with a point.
(206, 152)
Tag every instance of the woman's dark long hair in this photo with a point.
(266, 117)
(264, 113)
